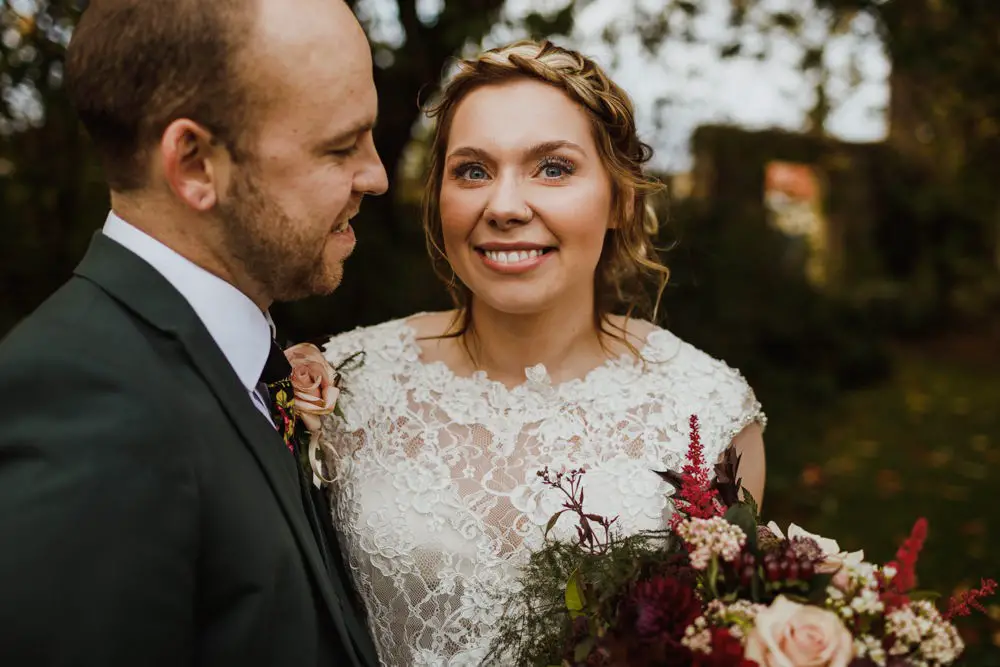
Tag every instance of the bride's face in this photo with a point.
(525, 199)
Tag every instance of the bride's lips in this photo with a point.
(514, 258)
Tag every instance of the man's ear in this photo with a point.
(194, 164)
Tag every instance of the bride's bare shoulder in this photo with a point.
(433, 325)
(431, 333)
(633, 330)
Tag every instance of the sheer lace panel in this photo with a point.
(436, 492)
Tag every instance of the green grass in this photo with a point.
(924, 444)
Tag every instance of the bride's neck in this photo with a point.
(504, 345)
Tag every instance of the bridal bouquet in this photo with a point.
(720, 590)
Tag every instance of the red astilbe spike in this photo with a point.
(894, 593)
(696, 497)
(907, 555)
(960, 605)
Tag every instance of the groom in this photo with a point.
(150, 512)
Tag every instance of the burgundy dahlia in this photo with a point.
(727, 651)
(660, 609)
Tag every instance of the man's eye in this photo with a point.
(345, 152)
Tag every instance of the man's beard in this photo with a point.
(285, 257)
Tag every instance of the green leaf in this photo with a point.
(574, 595)
(551, 523)
(924, 595)
(755, 583)
(749, 500)
(818, 586)
(583, 649)
(713, 576)
(742, 515)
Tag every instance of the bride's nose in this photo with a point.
(507, 207)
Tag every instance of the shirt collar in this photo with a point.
(236, 324)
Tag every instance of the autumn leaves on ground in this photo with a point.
(924, 443)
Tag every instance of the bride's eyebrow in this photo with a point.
(546, 147)
(532, 152)
(471, 152)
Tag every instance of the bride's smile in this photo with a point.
(513, 258)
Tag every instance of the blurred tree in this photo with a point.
(939, 225)
(49, 180)
(944, 129)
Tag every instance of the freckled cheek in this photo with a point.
(459, 216)
(579, 228)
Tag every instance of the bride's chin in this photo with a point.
(509, 305)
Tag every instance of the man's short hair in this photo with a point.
(135, 66)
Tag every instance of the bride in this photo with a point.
(537, 217)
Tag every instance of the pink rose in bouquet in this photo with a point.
(788, 634)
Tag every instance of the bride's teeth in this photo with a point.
(512, 257)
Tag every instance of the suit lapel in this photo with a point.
(141, 289)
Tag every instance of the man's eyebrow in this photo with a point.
(350, 133)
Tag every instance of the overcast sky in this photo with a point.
(704, 88)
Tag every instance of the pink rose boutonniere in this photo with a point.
(315, 383)
(316, 386)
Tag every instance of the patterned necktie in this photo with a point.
(277, 377)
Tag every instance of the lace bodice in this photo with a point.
(435, 491)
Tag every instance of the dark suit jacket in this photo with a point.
(149, 514)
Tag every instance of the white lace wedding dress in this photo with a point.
(436, 494)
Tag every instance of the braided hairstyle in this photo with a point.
(628, 259)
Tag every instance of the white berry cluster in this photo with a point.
(698, 636)
(868, 646)
(922, 634)
(706, 538)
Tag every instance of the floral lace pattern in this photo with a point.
(436, 495)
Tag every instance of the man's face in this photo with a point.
(311, 159)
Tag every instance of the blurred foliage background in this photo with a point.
(881, 379)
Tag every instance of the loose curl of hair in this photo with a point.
(628, 260)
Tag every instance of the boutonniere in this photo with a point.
(316, 386)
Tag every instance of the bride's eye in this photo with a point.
(554, 167)
(470, 171)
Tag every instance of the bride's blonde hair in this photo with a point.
(629, 257)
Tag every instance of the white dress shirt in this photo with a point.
(237, 325)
